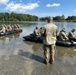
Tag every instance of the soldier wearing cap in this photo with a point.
(37, 32)
(62, 35)
(3, 29)
(71, 34)
(50, 34)
(9, 28)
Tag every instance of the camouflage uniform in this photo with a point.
(9, 28)
(71, 35)
(50, 34)
(3, 29)
(62, 36)
(37, 33)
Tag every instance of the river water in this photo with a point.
(19, 57)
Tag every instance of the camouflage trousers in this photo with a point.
(49, 53)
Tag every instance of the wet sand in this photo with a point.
(18, 57)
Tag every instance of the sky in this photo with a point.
(40, 8)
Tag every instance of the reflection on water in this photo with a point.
(71, 51)
(61, 51)
(9, 38)
(67, 56)
(35, 46)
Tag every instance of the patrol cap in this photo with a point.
(64, 29)
(49, 18)
(73, 30)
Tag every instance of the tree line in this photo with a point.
(17, 17)
(26, 17)
(61, 18)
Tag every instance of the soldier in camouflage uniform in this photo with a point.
(71, 34)
(50, 34)
(37, 32)
(3, 29)
(62, 35)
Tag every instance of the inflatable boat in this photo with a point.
(73, 39)
(11, 32)
(58, 42)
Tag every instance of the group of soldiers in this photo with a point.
(62, 36)
(38, 32)
(9, 28)
(51, 33)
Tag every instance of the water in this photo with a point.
(19, 57)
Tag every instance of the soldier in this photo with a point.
(15, 27)
(37, 32)
(9, 28)
(62, 35)
(50, 34)
(3, 29)
(12, 26)
(18, 26)
(71, 34)
(41, 30)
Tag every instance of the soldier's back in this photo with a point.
(51, 32)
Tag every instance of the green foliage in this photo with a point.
(71, 18)
(26, 17)
(43, 18)
(57, 18)
(61, 18)
(17, 17)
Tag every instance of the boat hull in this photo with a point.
(40, 40)
(11, 32)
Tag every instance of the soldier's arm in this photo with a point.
(73, 36)
(43, 31)
(57, 32)
(64, 35)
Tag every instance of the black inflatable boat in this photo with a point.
(40, 40)
(11, 32)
